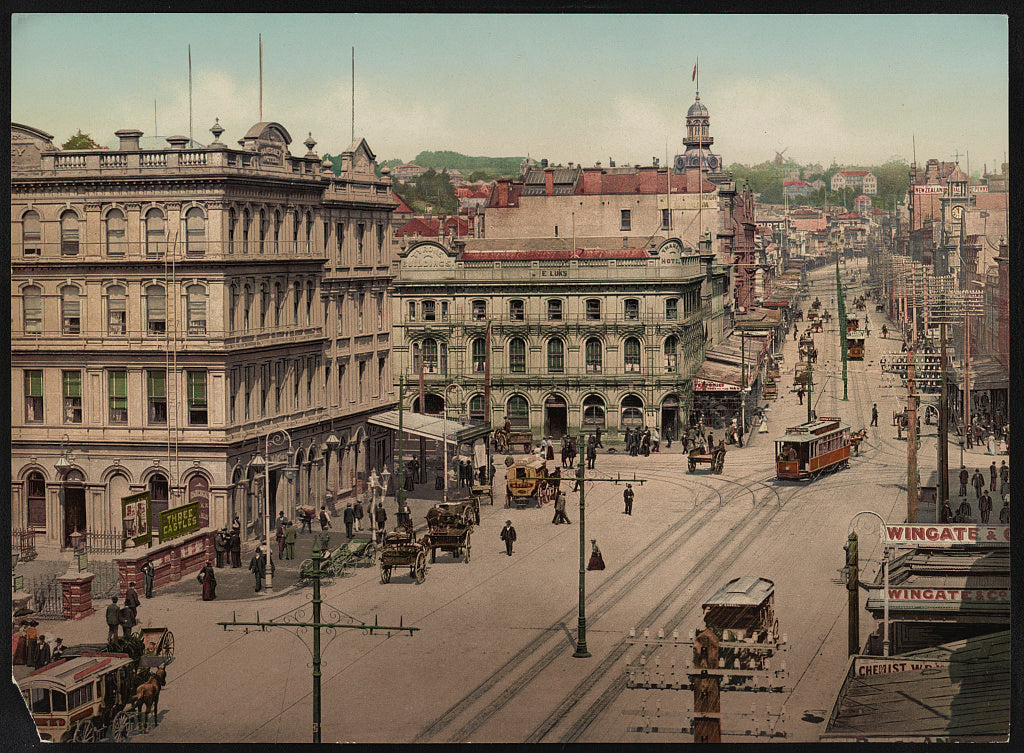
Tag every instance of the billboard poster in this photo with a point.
(179, 521)
(135, 513)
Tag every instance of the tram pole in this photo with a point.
(842, 324)
(911, 441)
(853, 602)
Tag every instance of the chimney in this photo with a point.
(503, 192)
(129, 139)
(177, 142)
(549, 181)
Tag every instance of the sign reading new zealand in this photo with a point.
(179, 521)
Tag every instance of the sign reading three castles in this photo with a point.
(179, 521)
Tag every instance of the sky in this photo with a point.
(854, 89)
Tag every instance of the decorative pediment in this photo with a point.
(428, 255)
(270, 141)
(26, 145)
(359, 159)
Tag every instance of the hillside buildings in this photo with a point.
(859, 180)
(173, 307)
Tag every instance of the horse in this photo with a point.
(148, 695)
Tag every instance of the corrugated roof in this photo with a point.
(429, 426)
(747, 590)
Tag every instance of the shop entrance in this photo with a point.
(556, 417)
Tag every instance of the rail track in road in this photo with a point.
(483, 702)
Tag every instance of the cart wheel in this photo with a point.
(775, 632)
(85, 732)
(125, 724)
(167, 645)
(420, 568)
(385, 573)
(691, 466)
(467, 548)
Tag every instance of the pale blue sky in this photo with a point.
(570, 88)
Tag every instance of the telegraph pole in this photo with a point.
(842, 324)
(853, 596)
(911, 441)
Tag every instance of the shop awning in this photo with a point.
(713, 376)
(988, 374)
(430, 427)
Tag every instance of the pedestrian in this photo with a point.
(508, 535)
(58, 650)
(992, 475)
(596, 560)
(289, 541)
(739, 434)
(236, 548)
(1004, 479)
(985, 507)
(668, 437)
(131, 600)
(221, 544)
(43, 652)
(591, 455)
(113, 618)
(349, 518)
(127, 622)
(978, 481)
(1004, 513)
(258, 566)
(380, 517)
(236, 525)
(627, 438)
(764, 425)
(208, 580)
(281, 521)
(963, 512)
(885, 331)
(597, 435)
(560, 516)
(800, 394)
(627, 498)
(279, 538)
(991, 444)
(964, 478)
(874, 414)
(357, 512)
(647, 443)
(549, 450)
(325, 518)
(969, 434)
(32, 640)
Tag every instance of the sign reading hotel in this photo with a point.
(179, 521)
(948, 535)
(135, 517)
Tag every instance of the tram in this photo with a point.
(811, 448)
(855, 346)
(852, 323)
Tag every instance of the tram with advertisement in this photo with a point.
(855, 346)
(812, 448)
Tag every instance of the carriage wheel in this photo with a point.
(419, 569)
(167, 645)
(125, 724)
(385, 573)
(467, 547)
(775, 631)
(691, 466)
(85, 732)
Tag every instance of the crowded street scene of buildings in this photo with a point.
(407, 446)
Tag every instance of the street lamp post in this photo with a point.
(581, 629)
(276, 437)
(885, 578)
(62, 465)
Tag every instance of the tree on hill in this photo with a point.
(431, 189)
(80, 141)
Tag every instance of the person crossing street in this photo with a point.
(508, 535)
(560, 516)
(874, 414)
(627, 498)
(964, 478)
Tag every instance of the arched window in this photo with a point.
(671, 308)
(593, 309)
(479, 352)
(430, 355)
(295, 232)
(631, 354)
(517, 355)
(156, 310)
(69, 233)
(232, 224)
(632, 412)
(516, 310)
(264, 304)
(593, 412)
(195, 309)
(70, 311)
(556, 356)
(277, 231)
(246, 222)
(31, 234)
(195, 231)
(246, 308)
(32, 310)
(156, 232)
(594, 356)
(263, 231)
(517, 410)
(278, 303)
(476, 408)
(117, 314)
(309, 233)
(479, 310)
(116, 242)
(671, 346)
(632, 308)
(555, 309)
(35, 496)
(158, 498)
(309, 303)
(296, 301)
(233, 308)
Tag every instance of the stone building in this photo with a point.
(172, 308)
(571, 339)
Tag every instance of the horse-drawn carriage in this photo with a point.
(157, 641)
(526, 480)
(90, 695)
(354, 553)
(449, 526)
(806, 347)
(506, 439)
(714, 457)
(817, 325)
(402, 549)
(743, 610)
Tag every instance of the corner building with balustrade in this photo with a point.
(576, 340)
(173, 308)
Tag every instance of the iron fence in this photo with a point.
(106, 583)
(23, 541)
(104, 541)
(47, 598)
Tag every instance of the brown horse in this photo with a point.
(148, 695)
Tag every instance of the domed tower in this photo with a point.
(698, 141)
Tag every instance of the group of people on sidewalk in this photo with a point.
(124, 616)
(30, 647)
(983, 496)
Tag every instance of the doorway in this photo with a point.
(74, 512)
(556, 417)
(670, 417)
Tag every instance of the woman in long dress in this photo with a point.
(991, 444)
(209, 581)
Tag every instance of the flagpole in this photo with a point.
(189, 96)
(261, 78)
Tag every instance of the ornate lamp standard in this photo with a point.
(62, 465)
(333, 444)
(276, 437)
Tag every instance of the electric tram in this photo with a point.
(811, 448)
(855, 346)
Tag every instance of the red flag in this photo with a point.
(694, 76)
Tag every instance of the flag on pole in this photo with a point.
(694, 76)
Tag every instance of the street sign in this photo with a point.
(83, 561)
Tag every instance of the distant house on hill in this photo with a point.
(408, 172)
(859, 180)
(796, 187)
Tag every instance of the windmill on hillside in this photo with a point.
(778, 156)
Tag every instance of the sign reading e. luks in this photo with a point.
(949, 535)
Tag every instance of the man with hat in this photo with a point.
(508, 535)
(113, 617)
(627, 497)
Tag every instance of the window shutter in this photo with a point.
(33, 383)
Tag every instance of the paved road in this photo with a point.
(492, 661)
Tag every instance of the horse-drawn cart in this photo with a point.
(449, 527)
(505, 440)
(355, 553)
(401, 549)
(157, 641)
(715, 458)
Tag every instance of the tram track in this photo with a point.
(639, 568)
